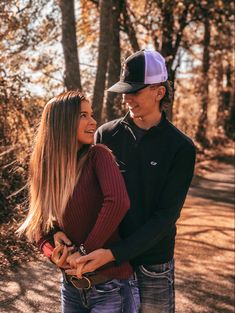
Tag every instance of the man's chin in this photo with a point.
(134, 115)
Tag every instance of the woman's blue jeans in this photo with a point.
(156, 284)
(114, 296)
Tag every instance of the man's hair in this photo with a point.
(166, 101)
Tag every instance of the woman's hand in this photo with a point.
(61, 238)
(59, 256)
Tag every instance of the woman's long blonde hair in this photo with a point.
(54, 166)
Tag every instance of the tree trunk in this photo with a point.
(103, 54)
(220, 93)
(202, 123)
(72, 78)
(113, 99)
(167, 42)
(229, 105)
(171, 39)
(129, 29)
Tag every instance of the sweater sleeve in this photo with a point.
(115, 198)
(167, 212)
(45, 243)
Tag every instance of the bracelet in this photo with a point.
(82, 250)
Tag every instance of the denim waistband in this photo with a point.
(161, 267)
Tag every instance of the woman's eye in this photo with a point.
(83, 115)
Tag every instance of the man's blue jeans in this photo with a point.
(156, 284)
(114, 296)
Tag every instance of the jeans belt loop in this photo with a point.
(64, 276)
(135, 276)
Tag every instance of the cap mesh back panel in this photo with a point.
(155, 69)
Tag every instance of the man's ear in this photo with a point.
(160, 92)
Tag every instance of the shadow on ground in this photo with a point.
(33, 287)
(204, 256)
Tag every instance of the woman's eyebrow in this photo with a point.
(87, 112)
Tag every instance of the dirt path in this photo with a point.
(205, 244)
(204, 255)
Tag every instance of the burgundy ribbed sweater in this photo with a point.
(96, 208)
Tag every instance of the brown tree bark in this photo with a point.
(203, 120)
(167, 42)
(220, 93)
(113, 99)
(103, 54)
(129, 28)
(72, 78)
(229, 103)
(170, 46)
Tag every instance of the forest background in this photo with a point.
(49, 46)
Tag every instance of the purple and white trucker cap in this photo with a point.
(139, 70)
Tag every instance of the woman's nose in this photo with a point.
(93, 121)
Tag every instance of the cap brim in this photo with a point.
(123, 87)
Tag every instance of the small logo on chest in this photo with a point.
(153, 163)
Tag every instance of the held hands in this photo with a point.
(90, 262)
(59, 256)
(64, 256)
(76, 271)
(93, 260)
(63, 248)
(72, 259)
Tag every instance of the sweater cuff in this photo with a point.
(54, 230)
(119, 252)
(46, 246)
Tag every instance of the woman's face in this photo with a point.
(86, 124)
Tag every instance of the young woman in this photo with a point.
(77, 187)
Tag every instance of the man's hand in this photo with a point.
(93, 260)
(75, 271)
(71, 272)
(71, 259)
(74, 267)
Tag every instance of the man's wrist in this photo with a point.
(110, 255)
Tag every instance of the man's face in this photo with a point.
(142, 103)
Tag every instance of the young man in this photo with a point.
(157, 162)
